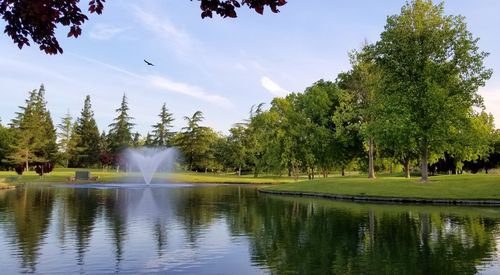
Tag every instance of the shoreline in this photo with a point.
(392, 200)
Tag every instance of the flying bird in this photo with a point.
(149, 63)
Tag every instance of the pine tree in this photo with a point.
(149, 140)
(161, 134)
(34, 132)
(136, 142)
(64, 135)
(88, 137)
(120, 134)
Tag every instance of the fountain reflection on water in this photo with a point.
(149, 160)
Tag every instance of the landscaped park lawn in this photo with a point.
(455, 187)
(465, 187)
(60, 175)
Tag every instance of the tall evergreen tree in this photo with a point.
(136, 141)
(161, 134)
(194, 140)
(88, 133)
(34, 131)
(149, 140)
(67, 141)
(7, 138)
(120, 134)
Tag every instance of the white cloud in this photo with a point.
(105, 32)
(188, 90)
(273, 87)
(171, 35)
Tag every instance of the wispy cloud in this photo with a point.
(24, 67)
(109, 66)
(273, 87)
(173, 36)
(105, 31)
(189, 90)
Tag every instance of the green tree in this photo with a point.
(120, 134)
(88, 137)
(7, 138)
(136, 141)
(363, 81)
(34, 132)
(432, 69)
(194, 141)
(162, 134)
(68, 141)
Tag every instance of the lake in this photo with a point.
(234, 229)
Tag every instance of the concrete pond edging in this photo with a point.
(376, 199)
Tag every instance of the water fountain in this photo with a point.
(147, 160)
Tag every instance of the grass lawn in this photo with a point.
(466, 187)
(63, 174)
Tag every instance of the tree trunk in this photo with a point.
(239, 171)
(371, 166)
(343, 171)
(407, 168)
(424, 163)
(312, 172)
(27, 166)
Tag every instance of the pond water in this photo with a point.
(229, 229)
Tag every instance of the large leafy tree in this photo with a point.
(162, 134)
(433, 68)
(88, 137)
(38, 19)
(362, 82)
(120, 134)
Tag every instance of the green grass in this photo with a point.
(64, 174)
(466, 187)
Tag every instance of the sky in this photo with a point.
(218, 66)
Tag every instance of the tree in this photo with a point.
(149, 140)
(68, 141)
(136, 141)
(362, 82)
(38, 19)
(120, 134)
(35, 135)
(161, 134)
(88, 137)
(7, 138)
(193, 140)
(432, 68)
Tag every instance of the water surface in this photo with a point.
(229, 229)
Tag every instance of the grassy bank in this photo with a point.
(454, 187)
(64, 174)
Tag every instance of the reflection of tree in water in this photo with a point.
(81, 207)
(160, 233)
(32, 210)
(330, 240)
(197, 210)
(290, 235)
(115, 203)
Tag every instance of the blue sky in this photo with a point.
(219, 66)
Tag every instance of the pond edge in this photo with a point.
(384, 199)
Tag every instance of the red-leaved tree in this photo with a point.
(38, 19)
